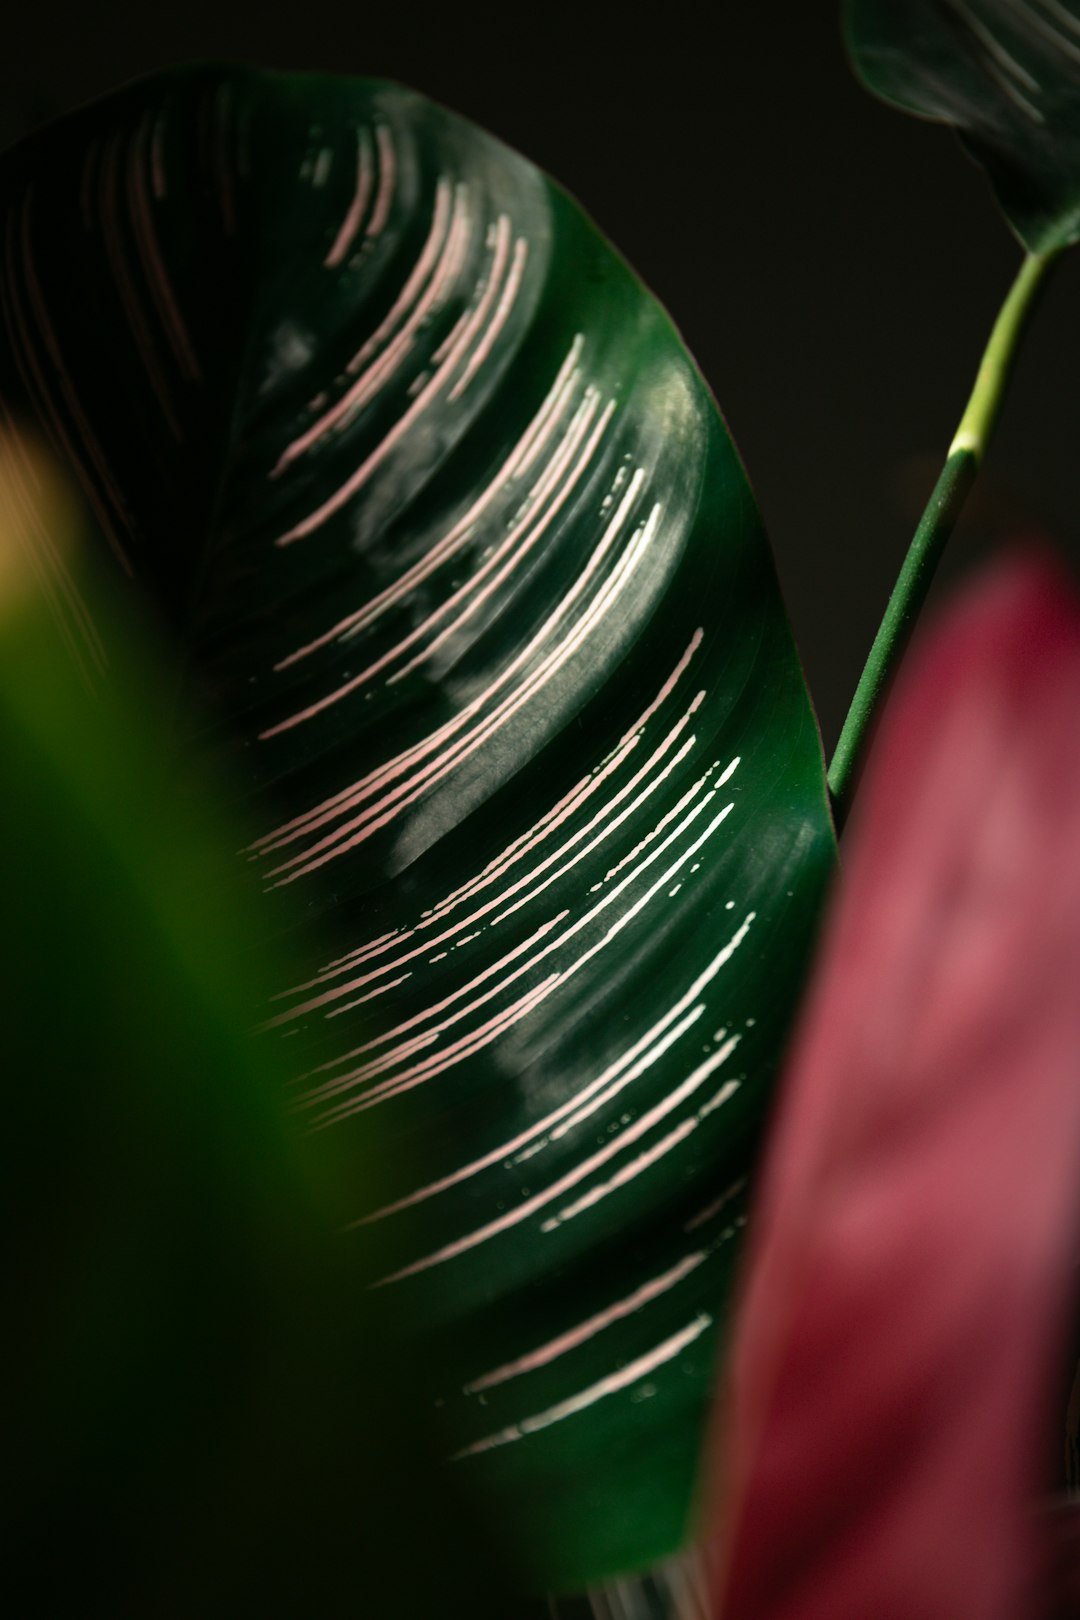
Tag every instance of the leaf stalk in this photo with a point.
(936, 524)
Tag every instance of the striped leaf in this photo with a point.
(1006, 74)
(475, 598)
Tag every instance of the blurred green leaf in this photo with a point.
(1006, 75)
(190, 1421)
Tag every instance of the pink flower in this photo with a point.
(895, 1374)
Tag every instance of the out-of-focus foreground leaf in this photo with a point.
(909, 1287)
(471, 586)
(189, 1423)
(1006, 75)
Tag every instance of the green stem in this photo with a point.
(935, 526)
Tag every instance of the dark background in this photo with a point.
(834, 266)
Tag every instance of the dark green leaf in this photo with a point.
(189, 1429)
(1006, 74)
(474, 592)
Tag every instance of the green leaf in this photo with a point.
(1006, 74)
(476, 599)
(192, 1431)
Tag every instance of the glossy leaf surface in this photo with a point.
(474, 591)
(1006, 74)
(913, 1271)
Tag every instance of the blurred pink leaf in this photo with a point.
(912, 1260)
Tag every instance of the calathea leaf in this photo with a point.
(475, 596)
(1006, 74)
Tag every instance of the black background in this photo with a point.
(834, 266)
